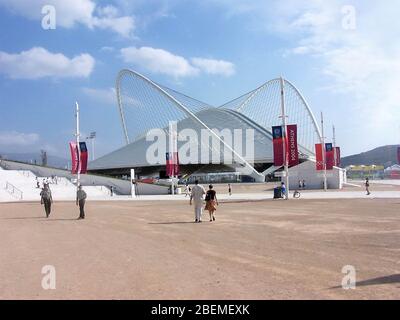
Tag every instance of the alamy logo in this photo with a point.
(349, 20)
(207, 146)
(349, 280)
(49, 278)
(49, 19)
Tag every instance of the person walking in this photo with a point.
(229, 189)
(80, 200)
(283, 189)
(367, 186)
(196, 196)
(187, 190)
(46, 199)
(211, 202)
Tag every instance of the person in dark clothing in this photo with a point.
(211, 202)
(80, 200)
(46, 199)
(367, 186)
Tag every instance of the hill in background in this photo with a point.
(52, 161)
(386, 156)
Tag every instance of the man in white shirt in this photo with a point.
(197, 197)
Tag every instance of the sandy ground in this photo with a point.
(255, 250)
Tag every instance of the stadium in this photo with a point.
(146, 106)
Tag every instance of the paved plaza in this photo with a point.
(262, 249)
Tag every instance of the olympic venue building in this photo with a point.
(147, 109)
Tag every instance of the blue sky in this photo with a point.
(213, 50)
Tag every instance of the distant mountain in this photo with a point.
(386, 156)
(52, 161)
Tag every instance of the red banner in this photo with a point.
(277, 135)
(329, 156)
(176, 164)
(74, 157)
(292, 145)
(169, 164)
(319, 157)
(338, 162)
(83, 157)
(398, 155)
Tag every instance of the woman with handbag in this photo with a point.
(211, 202)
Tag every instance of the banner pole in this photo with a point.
(334, 145)
(171, 152)
(323, 151)
(77, 143)
(284, 128)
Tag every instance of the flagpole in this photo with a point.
(77, 144)
(323, 150)
(171, 152)
(334, 145)
(284, 129)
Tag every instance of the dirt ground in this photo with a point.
(254, 250)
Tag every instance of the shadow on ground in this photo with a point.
(394, 278)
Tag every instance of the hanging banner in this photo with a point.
(292, 145)
(83, 157)
(176, 164)
(329, 156)
(74, 157)
(319, 157)
(338, 162)
(169, 164)
(277, 135)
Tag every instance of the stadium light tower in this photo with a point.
(92, 137)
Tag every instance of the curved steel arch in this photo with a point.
(258, 176)
(316, 127)
(308, 109)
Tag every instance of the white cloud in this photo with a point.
(107, 49)
(165, 62)
(14, 138)
(361, 65)
(39, 63)
(103, 96)
(158, 61)
(72, 12)
(216, 67)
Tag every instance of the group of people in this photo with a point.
(196, 198)
(302, 184)
(46, 181)
(46, 199)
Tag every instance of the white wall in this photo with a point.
(313, 178)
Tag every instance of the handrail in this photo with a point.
(13, 190)
(3, 164)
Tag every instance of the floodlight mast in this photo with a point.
(285, 158)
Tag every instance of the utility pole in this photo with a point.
(334, 144)
(173, 148)
(78, 176)
(323, 151)
(284, 131)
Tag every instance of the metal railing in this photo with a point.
(3, 164)
(105, 190)
(13, 190)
